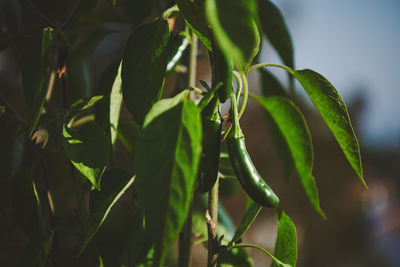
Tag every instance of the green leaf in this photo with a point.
(37, 251)
(115, 105)
(234, 28)
(46, 78)
(193, 12)
(137, 10)
(286, 242)
(114, 184)
(270, 86)
(122, 239)
(82, 105)
(293, 127)
(274, 26)
(166, 163)
(234, 257)
(333, 110)
(143, 72)
(252, 210)
(88, 148)
(128, 133)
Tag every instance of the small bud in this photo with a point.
(41, 136)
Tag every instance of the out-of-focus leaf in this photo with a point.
(128, 133)
(40, 79)
(252, 210)
(88, 148)
(274, 26)
(37, 251)
(293, 127)
(234, 257)
(286, 242)
(270, 86)
(193, 12)
(122, 239)
(136, 10)
(114, 183)
(26, 203)
(166, 163)
(225, 226)
(333, 110)
(143, 73)
(234, 28)
(82, 105)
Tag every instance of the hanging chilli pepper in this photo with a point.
(246, 173)
(209, 162)
(222, 72)
(177, 45)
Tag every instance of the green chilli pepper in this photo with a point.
(209, 162)
(177, 45)
(222, 71)
(246, 173)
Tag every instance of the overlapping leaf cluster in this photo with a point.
(133, 217)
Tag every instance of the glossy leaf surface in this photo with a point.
(286, 242)
(333, 110)
(194, 13)
(143, 72)
(115, 105)
(293, 127)
(274, 26)
(114, 184)
(166, 163)
(234, 28)
(88, 148)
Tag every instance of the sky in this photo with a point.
(355, 45)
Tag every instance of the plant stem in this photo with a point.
(192, 63)
(185, 237)
(212, 221)
(257, 66)
(245, 93)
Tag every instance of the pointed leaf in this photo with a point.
(115, 105)
(166, 163)
(143, 72)
(333, 110)
(293, 127)
(193, 12)
(37, 251)
(270, 86)
(286, 242)
(252, 210)
(88, 148)
(274, 26)
(234, 29)
(177, 45)
(46, 78)
(114, 184)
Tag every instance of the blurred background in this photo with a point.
(354, 44)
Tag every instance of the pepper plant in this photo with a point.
(91, 212)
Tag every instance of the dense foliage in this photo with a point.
(71, 193)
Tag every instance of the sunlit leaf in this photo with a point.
(166, 163)
(88, 148)
(115, 105)
(293, 127)
(114, 184)
(333, 110)
(286, 242)
(234, 28)
(177, 45)
(143, 72)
